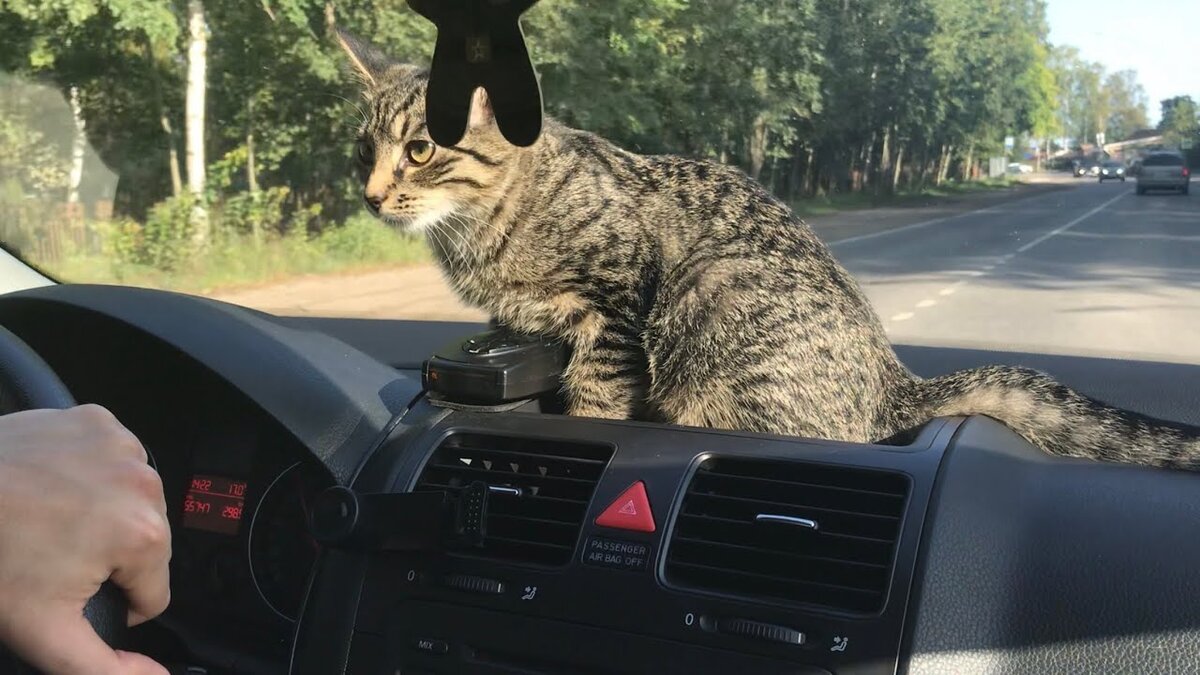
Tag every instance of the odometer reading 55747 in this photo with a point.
(214, 503)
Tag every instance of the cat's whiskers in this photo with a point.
(439, 239)
(464, 234)
(442, 228)
(500, 232)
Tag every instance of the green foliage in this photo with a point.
(1092, 100)
(239, 259)
(1127, 105)
(163, 242)
(362, 238)
(253, 213)
(1180, 120)
(1181, 126)
(29, 163)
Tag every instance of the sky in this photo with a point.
(1157, 38)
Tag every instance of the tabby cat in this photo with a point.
(688, 293)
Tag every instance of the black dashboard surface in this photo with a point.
(1169, 391)
(1020, 562)
(1032, 564)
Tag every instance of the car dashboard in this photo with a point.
(236, 485)
(609, 546)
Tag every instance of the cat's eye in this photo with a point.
(365, 151)
(419, 152)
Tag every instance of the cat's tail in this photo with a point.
(1060, 420)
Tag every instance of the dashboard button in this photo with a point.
(630, 511)
(437, 647)
(760, 631)
(474, 584)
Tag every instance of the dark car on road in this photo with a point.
(1164, 171)
(1112, 170)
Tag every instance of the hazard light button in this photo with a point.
(630, 511)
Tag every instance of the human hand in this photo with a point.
(79, 505)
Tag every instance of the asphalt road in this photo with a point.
(1084, 269)
(1089, 269)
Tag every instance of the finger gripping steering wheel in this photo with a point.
(28, 383)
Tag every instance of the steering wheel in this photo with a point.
(28, 383)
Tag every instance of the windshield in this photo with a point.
(1163, 160)
(948, 151)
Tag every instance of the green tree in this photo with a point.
(1127, 105)
(1181, 126)
(1180, 121)
(78, 45)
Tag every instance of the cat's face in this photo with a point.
(408, 180)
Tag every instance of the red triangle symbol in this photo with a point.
(630, 511)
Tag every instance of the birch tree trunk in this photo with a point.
(78, 147)
(197, 67)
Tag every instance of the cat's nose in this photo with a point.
(373, 201)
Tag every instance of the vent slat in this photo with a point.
(845, 563)
(549, 522)
(597, 464)
(826, 533)
(792, 508)
(539, 499)
(783, 554)
(781, 492)
(556, 481)
(538, 544)
(500, 473)
(802, 484)
(830, 545)
(782, 565)
(556, 531)
(772, 581)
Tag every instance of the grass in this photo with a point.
(853, 201)
(359, 245)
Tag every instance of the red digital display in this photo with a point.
(214, 503)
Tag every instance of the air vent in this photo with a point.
(790, 531)
(540, 490)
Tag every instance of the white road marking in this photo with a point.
(1143, 214)
(949, 290)
(1147, 236)
(1063, 228)
(927, 223)
(952, 288)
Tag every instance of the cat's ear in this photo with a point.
(369, 63)
(481, 109)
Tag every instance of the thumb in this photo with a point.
(63, 643)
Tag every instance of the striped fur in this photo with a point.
(688, 293)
